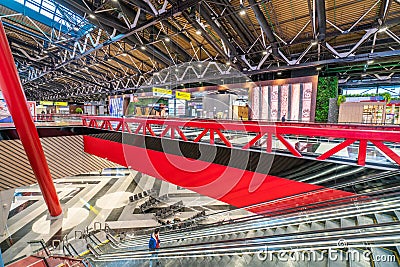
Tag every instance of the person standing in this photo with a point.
(154, 245)
(283, 118)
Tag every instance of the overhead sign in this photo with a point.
(46, 103)
(182, 95)
(63, 104)
(162, 92)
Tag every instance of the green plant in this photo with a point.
(341, 99)
(387, 96)
(327, 88)
(79, 110)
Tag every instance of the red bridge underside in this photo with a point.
(224, 183)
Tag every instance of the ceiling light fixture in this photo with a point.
(369, 62)
(167, 39)
(315, 42)
(279, 73)
(143, 47)
(92, 16)
(198, 32)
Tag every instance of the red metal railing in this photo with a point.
(346, 135)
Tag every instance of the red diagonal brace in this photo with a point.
(289, 146)
(223, 138)
(109, 126)
(390, 153)
(164, 132)
(119, 126)
(148, 126)
(138, 128)
(253, 141)
(336, 149)
(203, 133)
(181, 134)
(103, 124)
(128, 129)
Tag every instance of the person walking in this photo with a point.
(154, 245)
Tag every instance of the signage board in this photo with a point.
(162, 92)
(62, 104)
(46, 103)
(182, 95)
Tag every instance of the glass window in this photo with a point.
(57, 13)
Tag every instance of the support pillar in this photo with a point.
(16, 102)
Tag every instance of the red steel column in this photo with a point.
(16, 102)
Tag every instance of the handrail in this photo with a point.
(349, 135)
(279, 224)
(93, 250)
(275, 241)
(252, 217)
(94, 225)
(78, 231)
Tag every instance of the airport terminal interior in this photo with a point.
(199, 133)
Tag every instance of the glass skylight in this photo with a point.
(52, 14)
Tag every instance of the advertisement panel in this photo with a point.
(5, 115)
(116, 106)
(32, 108)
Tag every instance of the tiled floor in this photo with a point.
(91, 198)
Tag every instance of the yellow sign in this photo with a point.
(182, 95)
(162, 92)
(46, 103)
(63, 104)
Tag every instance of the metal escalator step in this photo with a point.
(304, 227)
(316, 226)
(347, 222)
(318, 260)
(339, 260)
(292, 229)
(364, 220)
(268, 232)
(279, 231)
(383, 218)
(384, 257)
(358, 261)
(252, 233)
(331, 225)
(397, 212)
